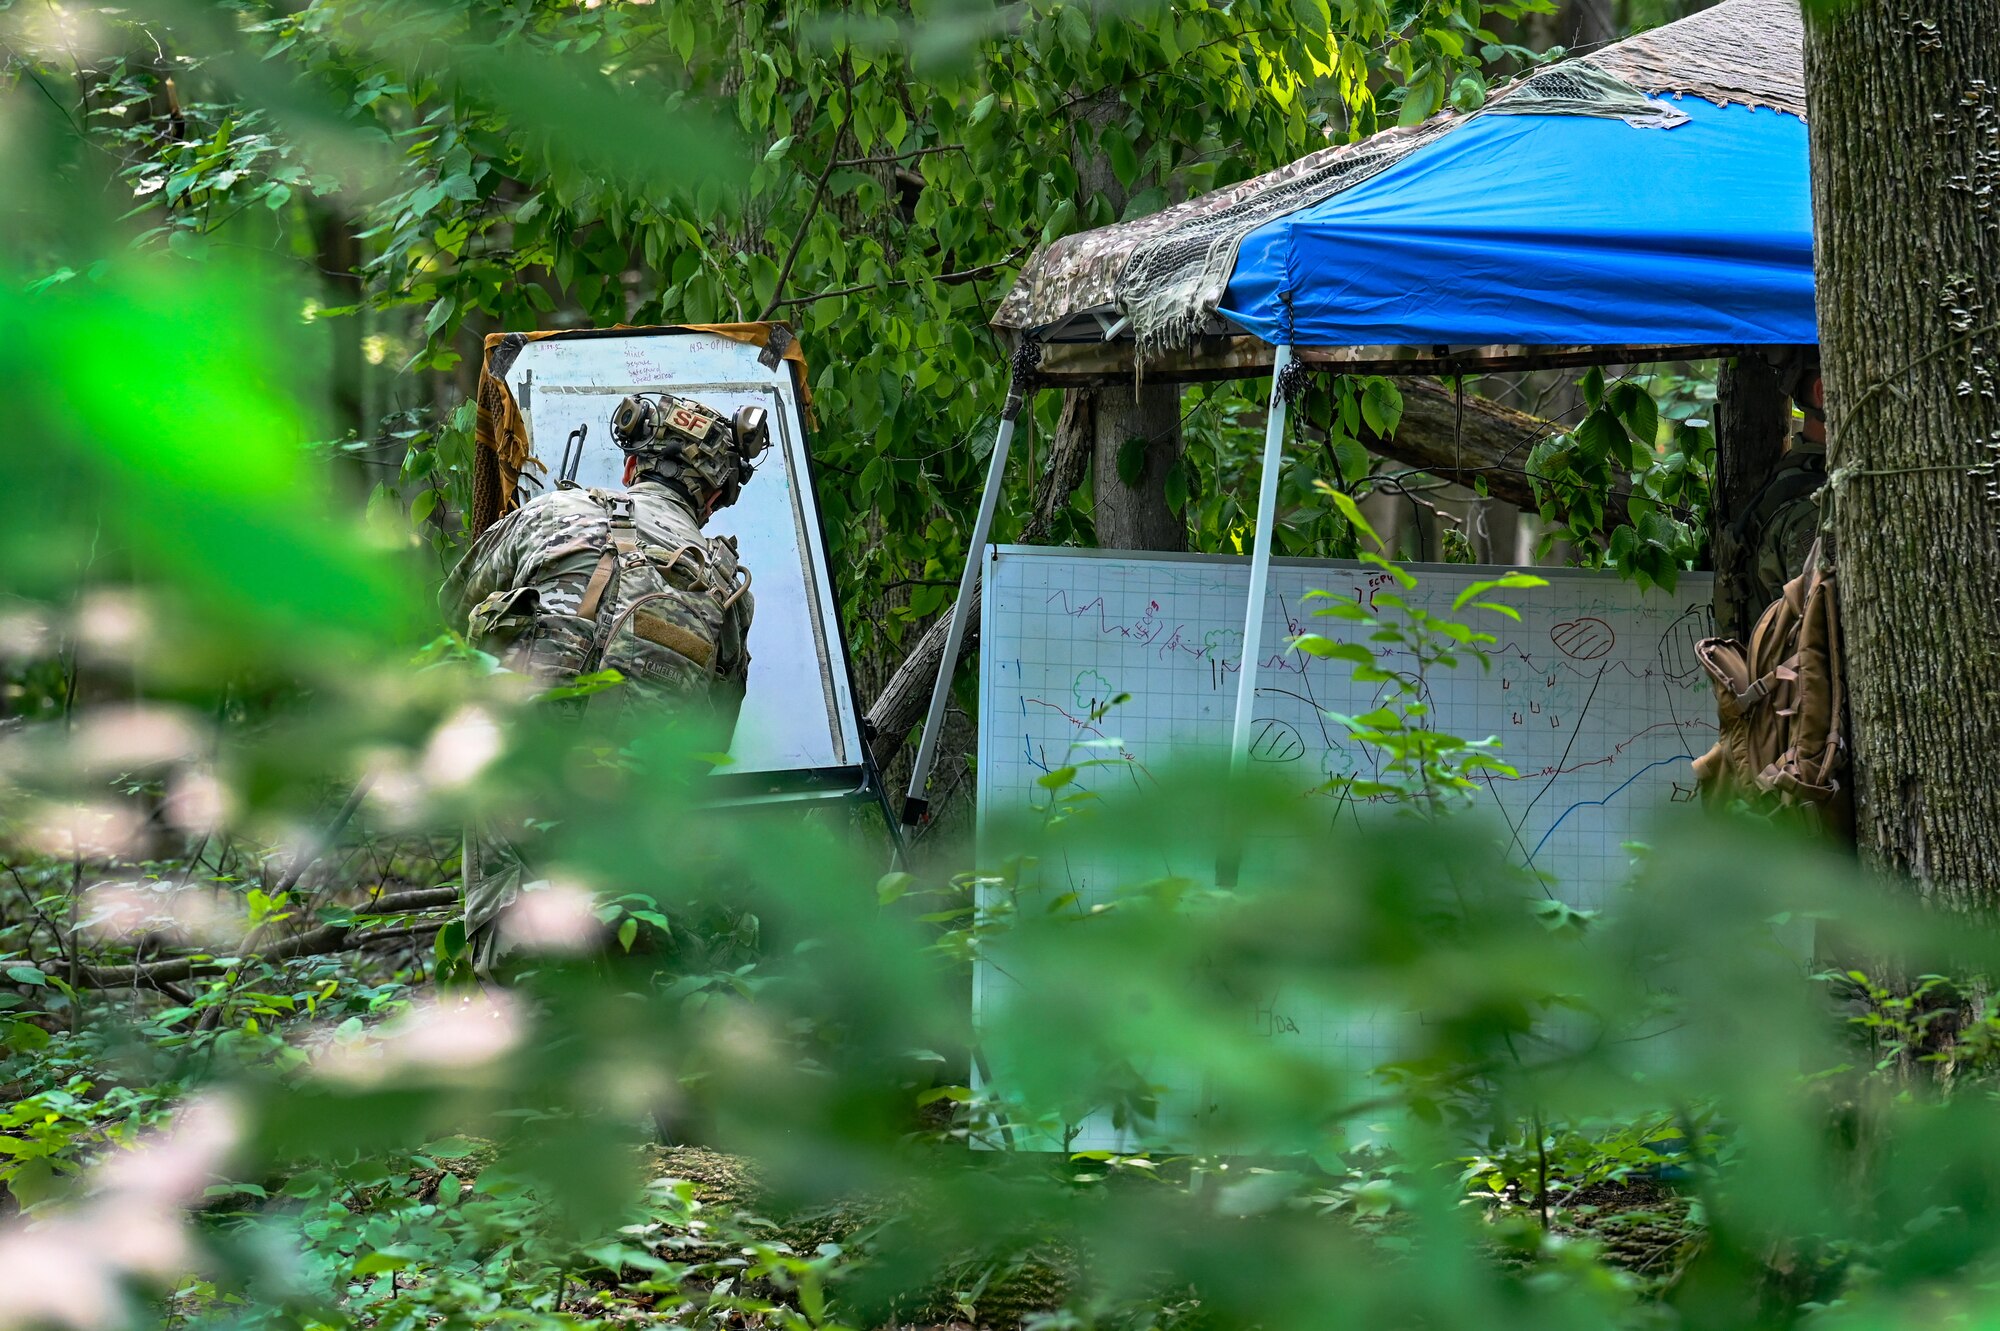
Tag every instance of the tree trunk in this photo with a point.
(1751, 413)
(1128, 479)
(1137, 446)
(1906, 192)
(338, 257)
(1574, 25)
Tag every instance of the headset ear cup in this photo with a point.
(632, 422)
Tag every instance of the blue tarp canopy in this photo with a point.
(1552, 229)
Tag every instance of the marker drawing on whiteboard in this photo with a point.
(1587, 638)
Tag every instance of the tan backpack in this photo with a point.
(1779, 705)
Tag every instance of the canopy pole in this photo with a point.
(1260, 564)
(915, 806)
(1253, 612)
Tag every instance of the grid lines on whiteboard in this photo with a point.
(1595, 696)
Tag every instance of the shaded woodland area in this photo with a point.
(729, 1076)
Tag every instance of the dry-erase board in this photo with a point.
(1595, 695)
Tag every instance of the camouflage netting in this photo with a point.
(1746, 52)
(1166, 273)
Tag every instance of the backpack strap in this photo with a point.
(623, 540)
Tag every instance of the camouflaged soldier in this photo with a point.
(579, 581)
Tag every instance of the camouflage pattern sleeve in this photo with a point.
(488, 567)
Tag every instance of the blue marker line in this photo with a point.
(1582, 804)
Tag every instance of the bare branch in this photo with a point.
(945, 279)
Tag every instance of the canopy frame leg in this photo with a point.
(1260, 563)
(1253, 610)
(915, 806)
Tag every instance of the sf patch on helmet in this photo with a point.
(691, 444)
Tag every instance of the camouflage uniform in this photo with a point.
(584, 580)
(551, 592)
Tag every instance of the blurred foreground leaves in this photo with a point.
(210, 1123)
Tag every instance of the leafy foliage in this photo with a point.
(871, 174)
(1651, 434)
(252, 1082)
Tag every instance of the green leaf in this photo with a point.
(1061, 219)
(1314, 644)
(383, 1260)
(778, 149)
(1403, 576)
(33, 1181)
(1073, 30)
(1509, 581)
(628, 933)
(1352, 458)
(1593, 387)
(1352, 512)
(1601, 436)
(26, 975)
(1118, 149)
(25, 1036)
(451, 941)
(1132, 461)
(1381, 405)
(440, 311)
(764, 279)
(1642, 414)
(1057, 779)
(893, 887)
(984, 107)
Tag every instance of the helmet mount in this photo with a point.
(687, 442)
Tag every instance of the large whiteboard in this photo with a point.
(798, 712)
(1595, 695)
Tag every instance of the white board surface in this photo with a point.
(798, 712)
(1595, 696)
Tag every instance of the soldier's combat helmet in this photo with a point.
(687, 443)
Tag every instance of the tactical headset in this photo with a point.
(680, 430)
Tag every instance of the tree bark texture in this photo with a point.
(1751, 416)
(1905, 108)
(1137, 445)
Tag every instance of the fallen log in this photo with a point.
(311, 942)
(1489, 444)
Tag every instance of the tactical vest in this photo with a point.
(659, 614)
(1779, 704)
